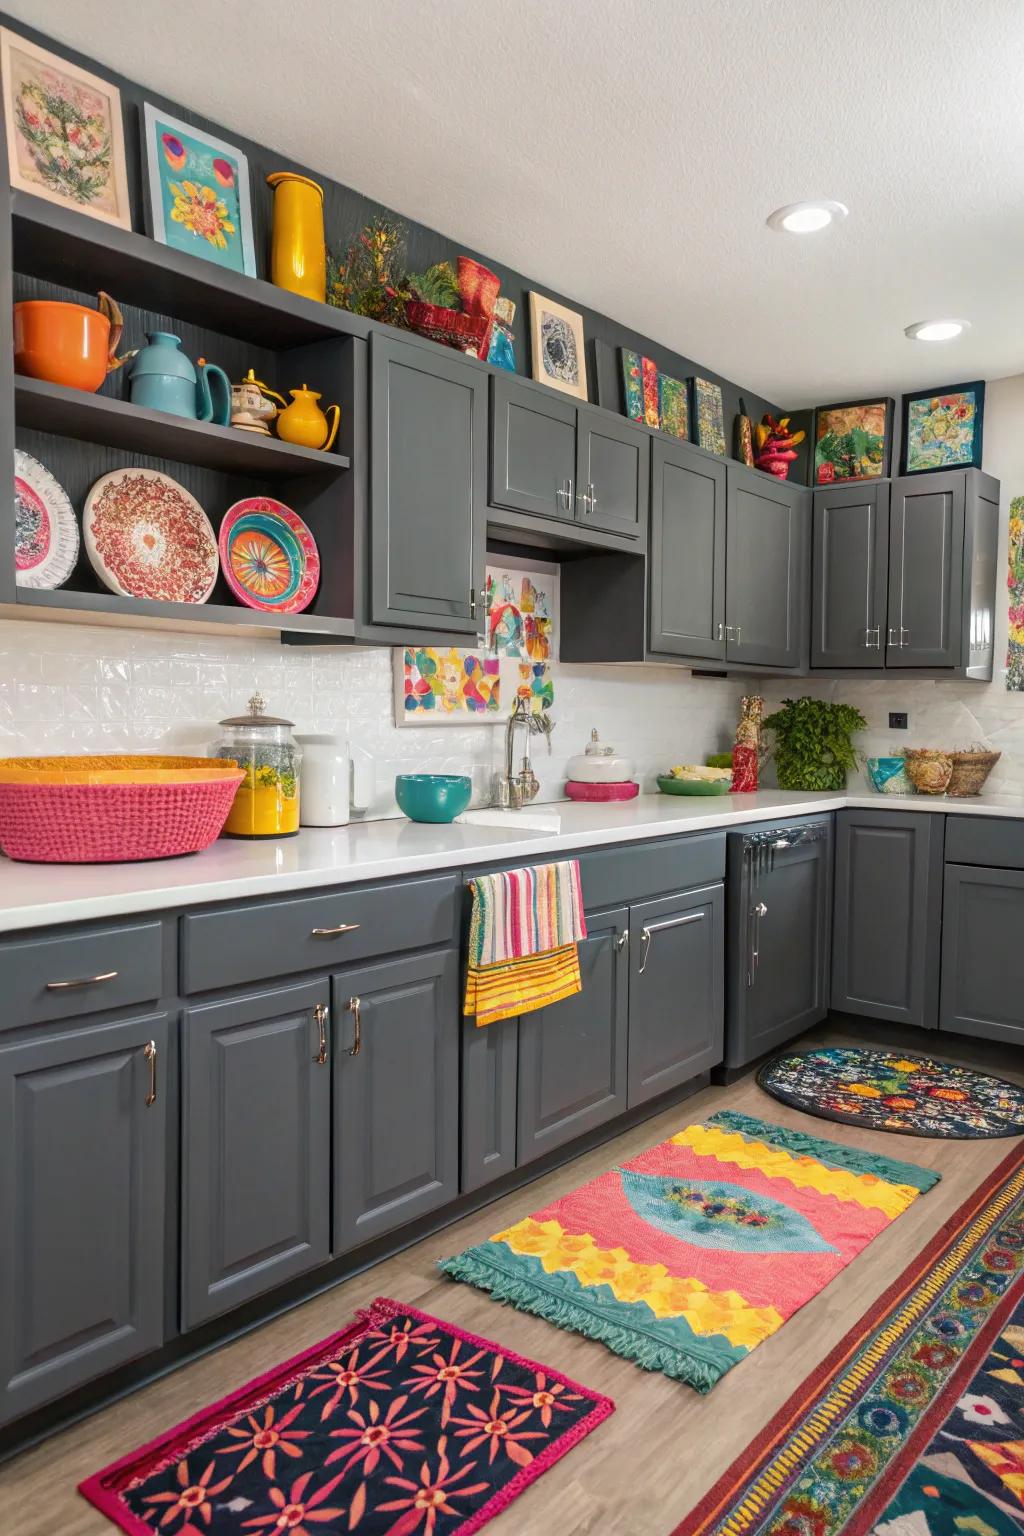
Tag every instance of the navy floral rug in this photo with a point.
(400, 1424)
(893, 1091)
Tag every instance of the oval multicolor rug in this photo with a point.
(893, 1091)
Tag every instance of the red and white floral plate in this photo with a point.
(46, 539)
(146, 536)
(268, 555)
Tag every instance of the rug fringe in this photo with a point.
(624, 1341)
(851, 1158)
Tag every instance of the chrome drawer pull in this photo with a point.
(353, 1006)
(320, 1015)
(329, 933)
(650, 929)
(80, 981)
(622, 941)
(149, 1052)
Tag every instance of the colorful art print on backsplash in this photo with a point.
(434, 686)
(65, 139)
(942, 428)
(710, 413)
(198, 192)
(557, 346)
(852, 440)
(532, 681)
(521, 605)
(1015, 586)
(654, 398)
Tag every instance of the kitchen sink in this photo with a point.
(528, 820)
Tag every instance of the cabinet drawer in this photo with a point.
(63, 977)
(240, 944)
(992, 840)
(621, 875)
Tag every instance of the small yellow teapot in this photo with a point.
(304, 423)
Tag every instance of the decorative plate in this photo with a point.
(268, 555)
(46, 538)
(146, 536)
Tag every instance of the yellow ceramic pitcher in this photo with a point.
(298, 253)
(303, 421)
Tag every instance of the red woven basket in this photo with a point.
(107, 823)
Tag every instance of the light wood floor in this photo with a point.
(643, 1469)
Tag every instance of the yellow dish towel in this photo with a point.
(512, 987)
(522, 941)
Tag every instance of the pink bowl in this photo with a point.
(625, 789)
(109, 823)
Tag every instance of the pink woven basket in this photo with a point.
(108, 823)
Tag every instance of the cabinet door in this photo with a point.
(256, 1146)
(83, 1163)
(490, 1062)
(766, 569)
(982, 956)
(612, 473)
(428, 491)
(676, 991)
(926, 555)
(687, 557)
(396, 1093)
(849, 584)
(888, 895)
(572, 1056)
(780, 930)
(533, 450)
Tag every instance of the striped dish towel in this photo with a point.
(522, 940)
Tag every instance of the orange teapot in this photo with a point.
(68, 344)
(304, 423)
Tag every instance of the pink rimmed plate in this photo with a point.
(46, 538)
(268, 556)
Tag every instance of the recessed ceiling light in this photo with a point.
(807, 218)
(936, 330)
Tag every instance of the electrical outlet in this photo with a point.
(897, 720)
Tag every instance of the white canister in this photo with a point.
(328, 791)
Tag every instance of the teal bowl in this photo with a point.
(433, 796)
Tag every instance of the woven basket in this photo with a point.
(108, 823)
(928, 771)
(970, 770)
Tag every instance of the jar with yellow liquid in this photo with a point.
(267, 801)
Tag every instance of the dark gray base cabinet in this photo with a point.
(982, 953)
(256, 1146)
(886, 931)
(82, 1205)
(677, 962)
(396, 1093)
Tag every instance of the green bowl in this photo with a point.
(671, 786)
(433, 796)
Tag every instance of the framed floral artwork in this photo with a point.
(557, 350)
(197, 191)
(65, 137)
(853, 440)
(942, 428)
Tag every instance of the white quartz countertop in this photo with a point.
(38, 895)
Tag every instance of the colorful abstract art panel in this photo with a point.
(533, 682)
(942, 428)
(710, 413)
(852, 441)
(1015, 585)
(198, 192)
(654, 398)
(521, 605)
(446, 687)
(685, 1258)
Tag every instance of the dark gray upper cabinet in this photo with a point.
(533, 450)
(687, 552)
(850, 575)
(676, 994)
(396, 1093)
(572, 1056)
(256, 1145)
(926, 563)
(766, 569)
(428, 486)
(490, 1065)
(982, 957)
(613, 460)
(888, 896)
(83, 1163)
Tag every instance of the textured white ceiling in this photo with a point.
(628, 154)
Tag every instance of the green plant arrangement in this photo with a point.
(813, 745)
(437, 285)
(370, 280)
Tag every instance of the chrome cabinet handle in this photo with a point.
(80, 981)
(650, 929)
(321, 1014)
(149, 1052)
(564, 495)
(872, 644)
(894, 643)
(739, 634)
(622, 940)
(592, 498)
(730, 632)
(582, 497)
(904, 636)
(760, 910)
(353, 1007)
(329, 933)
(472, 602)
(721, 631)
(645, 949)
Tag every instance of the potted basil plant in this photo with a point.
(813, 743)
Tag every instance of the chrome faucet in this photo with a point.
(513, 790)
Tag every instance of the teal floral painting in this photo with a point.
(198, 192)
(942, 428)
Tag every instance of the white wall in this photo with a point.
(67, 688)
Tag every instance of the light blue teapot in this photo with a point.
(163, 379)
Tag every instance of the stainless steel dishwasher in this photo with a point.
(779, 930)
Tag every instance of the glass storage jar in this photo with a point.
(267, 802)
